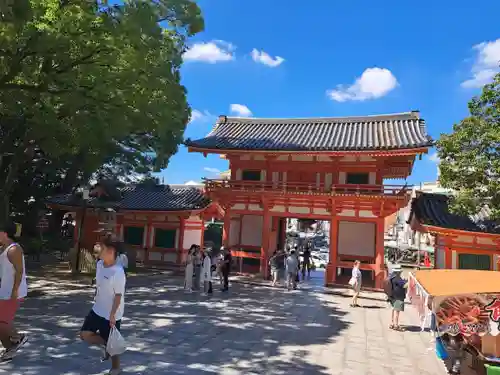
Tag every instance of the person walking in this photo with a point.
(226, 268)
(109, 303)
(206, 273)
(306, 262)
(355, 282)
(397, 296)
(13, 290)
(197, 267)
(274, 264)
(291, 270)
(188, 272)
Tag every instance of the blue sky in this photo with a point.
(336, 58)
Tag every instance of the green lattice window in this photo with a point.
(133, 235)
(357, 178)
(474, 262)
(165, 238)
(249, 175)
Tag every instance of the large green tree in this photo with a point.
(87, 85)
(470, 155)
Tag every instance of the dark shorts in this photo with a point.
(97, 324)
(397, 305)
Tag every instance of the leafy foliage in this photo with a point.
(470, 156)
(88, 87)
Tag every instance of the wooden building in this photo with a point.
(161, 222)
(315, 168)
(461, 242)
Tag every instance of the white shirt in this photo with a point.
(110, 281)
(206, 271)
(356, 274)
(7, 275)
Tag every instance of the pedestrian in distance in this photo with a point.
(13, 290)
(395, 289)
(109, 303)
(355, 283)
(189, 270)
(292, 266)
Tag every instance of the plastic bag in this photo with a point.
(116, 343)
(352, 281)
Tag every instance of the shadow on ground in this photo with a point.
(250, 330)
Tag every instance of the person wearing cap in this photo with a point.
(13, 289)
(109, 302)
(398, 295)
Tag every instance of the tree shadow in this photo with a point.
(250, 330)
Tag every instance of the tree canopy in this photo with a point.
(470, 155)
(90, 87)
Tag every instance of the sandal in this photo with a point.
(391, 326)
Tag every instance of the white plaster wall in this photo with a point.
(372, 178)
(454, 260)
(234, 233)
(466, 239)
(278, 209)
(254, 207)
(320, 211)
(302, 158)
(239, 206)
(342, 178)
(486, 241)
(439, 257)
(328, 180)
(365, 213)
(345, 212)
(191, 236)
(356, 238)
(299, 210)
(251, 230)
(170, 257)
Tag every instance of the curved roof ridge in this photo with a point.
(415, 115)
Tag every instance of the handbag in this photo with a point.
(352, 281)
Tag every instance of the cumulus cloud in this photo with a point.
(191, 183)
(262, 57)
(240, 110)
(212, 170)
(434, 157)
(199, 116)
(210, 52)
(486, 64)
(374, 83)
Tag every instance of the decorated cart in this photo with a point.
(465, 303)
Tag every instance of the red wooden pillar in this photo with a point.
(379, 254)
(180, 245)
(264, 249)
(448, 263)
(282, 234)
(227, 228)
(331, 269)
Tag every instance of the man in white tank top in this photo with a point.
(13, 289)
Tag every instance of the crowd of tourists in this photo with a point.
(200, 267)
(287, 265)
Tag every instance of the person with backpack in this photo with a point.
(395, 289)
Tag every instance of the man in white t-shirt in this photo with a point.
(107, 311)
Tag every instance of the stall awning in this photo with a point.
(440, 283)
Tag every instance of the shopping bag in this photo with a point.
(116, 343)
(352, 281)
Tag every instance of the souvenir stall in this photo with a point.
(465, 306)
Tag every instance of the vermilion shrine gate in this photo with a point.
(316, 168)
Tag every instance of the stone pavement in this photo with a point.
(250, 330)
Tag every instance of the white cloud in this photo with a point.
(240, 110)
(199, 116)
(212, 170)
(374, 83)
(262, 57)
(434, 158)
(191, 183)
(210, 52)
(486, 65)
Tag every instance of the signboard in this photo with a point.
(476, 314)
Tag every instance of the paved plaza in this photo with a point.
(251, 330)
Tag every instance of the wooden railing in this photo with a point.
(212, 185)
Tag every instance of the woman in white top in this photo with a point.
(188, 278)
(206, 273)
(13, 289)
(355, 282)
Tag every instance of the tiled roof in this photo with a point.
(432, 209)
(381, 132)
(145, 198)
